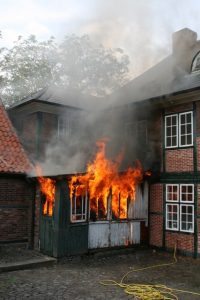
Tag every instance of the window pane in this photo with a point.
(183, 131)
(189, 128)
(172, 216)
(171, 130)
(168, 142)
(183, 226)
(168, 131)
(172, 192)
(174, 121)
(189, 140)
(183, 140)
(174, 131)
(183, 119)
(187, 218)
(187, 193)
(188, 118)
(184, 209)
(174, 141)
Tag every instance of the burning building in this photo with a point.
(87, 196)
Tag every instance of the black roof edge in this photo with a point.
(42, 101)
(162, 97)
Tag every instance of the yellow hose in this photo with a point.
(149, 291)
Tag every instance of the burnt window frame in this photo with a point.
(84, 205)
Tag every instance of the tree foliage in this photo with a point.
(76, 63)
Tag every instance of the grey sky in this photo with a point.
(142, 28)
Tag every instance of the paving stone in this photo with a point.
(78, 279)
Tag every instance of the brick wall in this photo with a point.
(156, 217)
(179, 160)
(15, 209)
(184, 242)
(198, 153)
(156, 230)
(179, 108)
(198, 235)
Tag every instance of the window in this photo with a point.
(179, 130)
(180, 207)
(196, 63)
(171, 131)
(78, 207)
(63, 127)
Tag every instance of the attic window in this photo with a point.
(196, 63)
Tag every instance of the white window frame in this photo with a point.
(181, 215)
(186, 185)
(167, 220)
(178, 130)
(179, 134)
(173, 185)
(179, 203)
(83, 214)
(166, 117)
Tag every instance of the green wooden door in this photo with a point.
(46, 234)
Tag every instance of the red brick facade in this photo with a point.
(183, 242)
(180, 160)
(156, 230)
(156, 217)
(15, 210)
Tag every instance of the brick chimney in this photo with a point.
(183, 44)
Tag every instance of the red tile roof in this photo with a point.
(13, 158)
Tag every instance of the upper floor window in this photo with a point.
(179, 130)
(63, 127)
(196, 64)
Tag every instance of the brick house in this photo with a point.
(171, 91)
(16, 193)
(156, 116)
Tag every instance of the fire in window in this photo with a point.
(79, 204)
(47, 187)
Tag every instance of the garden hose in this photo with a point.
(149, 291)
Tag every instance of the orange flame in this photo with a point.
(104, 183)
(47, 187)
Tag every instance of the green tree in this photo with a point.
(27, 67)
(92, 68)
(76, 63)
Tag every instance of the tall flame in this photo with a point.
(104, 183)
(47, 187)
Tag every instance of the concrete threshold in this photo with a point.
(45, 261)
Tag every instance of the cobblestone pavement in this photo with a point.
(78, 278)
